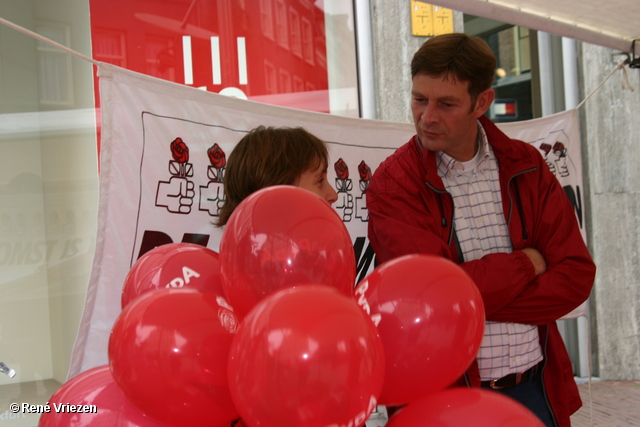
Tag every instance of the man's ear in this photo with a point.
(483, 102)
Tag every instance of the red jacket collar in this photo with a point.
(513, 159)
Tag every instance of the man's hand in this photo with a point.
(536, 258)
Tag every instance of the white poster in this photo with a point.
(164, 148)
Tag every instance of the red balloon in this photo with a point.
(279, 237)
(93, 387)
(462, 407)
(168, 352)
(306, 356)
(430, 317)
(173, 265)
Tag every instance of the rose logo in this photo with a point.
(179, 151)
(228, 320)
(559, 149)
(365, 171)
(546, 148)
(216, 156)
(341, 168)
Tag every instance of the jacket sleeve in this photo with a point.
(570, 272)
(402, 223)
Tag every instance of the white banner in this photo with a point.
(150, 195)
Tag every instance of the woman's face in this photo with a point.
(316, 182)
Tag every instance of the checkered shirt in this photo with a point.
(481, 229)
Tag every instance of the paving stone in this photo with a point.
(608, 404)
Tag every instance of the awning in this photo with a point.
(614, 23)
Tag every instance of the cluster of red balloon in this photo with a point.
(430, 318)
(266, 331)
(272, 332)
(168, 349)
(305, 353)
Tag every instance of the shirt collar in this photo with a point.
(448, 165)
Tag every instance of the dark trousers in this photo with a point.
(531, 394)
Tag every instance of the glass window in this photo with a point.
(282, 29)
(270, 77)
(48, 197)
(266, 18)
(108, 46)
(511, 45)
(226, 44)
(55, 73)
(160, 53)
(307, 40)
(513, 76)
(49, 138)
(296, 36)
(285, 81)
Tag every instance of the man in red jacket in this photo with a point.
(463, 190)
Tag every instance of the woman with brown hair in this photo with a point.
(269, 156)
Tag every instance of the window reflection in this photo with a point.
(273, 51)
(48, 152)
(512, 48)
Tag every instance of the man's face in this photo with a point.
(444, 117)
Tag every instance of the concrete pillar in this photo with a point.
(611, 152)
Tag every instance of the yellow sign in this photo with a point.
(428, 20)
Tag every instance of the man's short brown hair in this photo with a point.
(459, 57)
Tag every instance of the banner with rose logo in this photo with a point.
(163, 156)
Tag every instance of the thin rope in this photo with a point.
(48, 41)
(620, 66)
(625, 81)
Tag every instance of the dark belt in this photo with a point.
(512, 379)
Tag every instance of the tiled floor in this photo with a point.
(608, 404)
